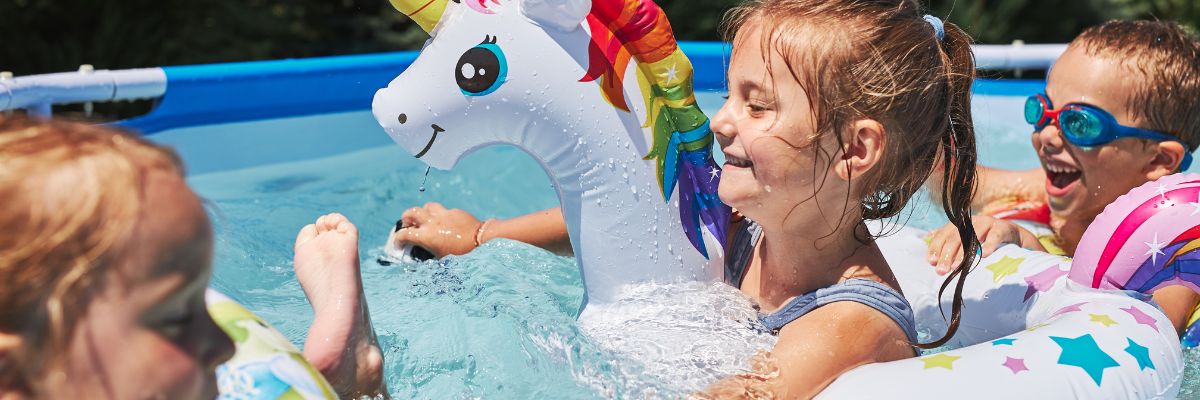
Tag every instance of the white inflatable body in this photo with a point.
(1027, 332)
(594, 152)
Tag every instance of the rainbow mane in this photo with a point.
(682, 141)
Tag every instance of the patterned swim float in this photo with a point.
(1037, 325)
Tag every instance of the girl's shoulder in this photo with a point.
(834, 339)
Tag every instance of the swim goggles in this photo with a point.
(1086, 125)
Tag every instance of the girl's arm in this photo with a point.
(814, 350)
(546, 229)
(452, 231)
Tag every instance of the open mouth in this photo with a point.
(737, 161)
(1060, 177)
(436, 130)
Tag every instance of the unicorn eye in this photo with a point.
(481, 69)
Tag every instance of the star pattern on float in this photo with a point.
(1003, 342)
(1103, 319)
(1139, 353)
(1042, 281)
(1084, 353)
(1068, 309)
(1015, 364)
(1155, 248)
(1141, 317)
(941, 360)
(672, 73)
(1005, 267)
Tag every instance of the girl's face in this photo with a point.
(766, 129)
(147, 333)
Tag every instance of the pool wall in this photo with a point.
(319, 106)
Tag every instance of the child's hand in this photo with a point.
(945, 247)
(443, 232)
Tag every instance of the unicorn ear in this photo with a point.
(425, 13)
(564, 15)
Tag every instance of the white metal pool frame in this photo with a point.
(37, 93)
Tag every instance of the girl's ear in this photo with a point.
(862, 148)
(1166, 160)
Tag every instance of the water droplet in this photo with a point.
(422, 188)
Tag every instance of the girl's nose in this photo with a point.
(722, 125)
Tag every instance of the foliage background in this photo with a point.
(58, 35)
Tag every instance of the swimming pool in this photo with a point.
(497, 323)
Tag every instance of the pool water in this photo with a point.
(499, 322)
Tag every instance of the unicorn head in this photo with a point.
(549, 76)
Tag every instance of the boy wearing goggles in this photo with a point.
(1121, 108)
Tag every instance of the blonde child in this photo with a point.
(103, 269)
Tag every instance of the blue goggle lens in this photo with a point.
(1033, 110)
(1080, 126)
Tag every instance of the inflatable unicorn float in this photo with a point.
(529, 74)
(638, 194)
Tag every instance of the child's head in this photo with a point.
(863, 92)
(103, 268)
(1146, 74)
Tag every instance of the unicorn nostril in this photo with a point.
(402, 118)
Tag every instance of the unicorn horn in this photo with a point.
(425, 13)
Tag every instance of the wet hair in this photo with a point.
(881, 60)
(72, 194)
(1164, 61)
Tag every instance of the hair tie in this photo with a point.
(939, 28)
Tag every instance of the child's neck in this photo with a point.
(795, 262)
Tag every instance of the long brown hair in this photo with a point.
(880, 59)
(72, 193)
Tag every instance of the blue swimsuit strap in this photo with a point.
(867, 292)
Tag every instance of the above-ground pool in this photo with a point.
(273, 145)
(499, 322)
